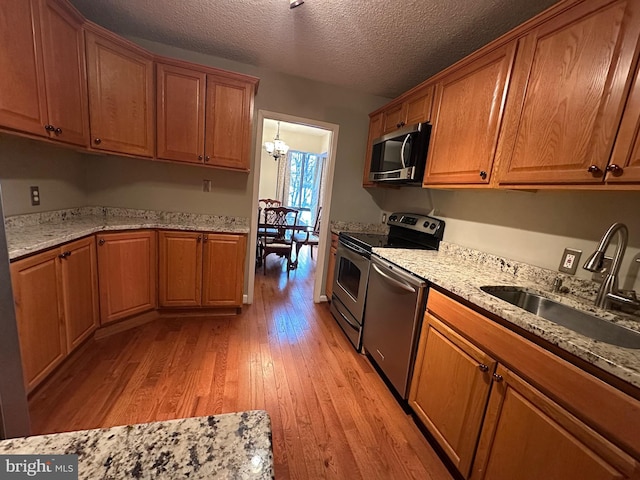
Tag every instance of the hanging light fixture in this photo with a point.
(277, 148)
(295, 3)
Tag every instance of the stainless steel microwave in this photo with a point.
(400, 156)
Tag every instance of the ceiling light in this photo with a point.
(277, 148)
(295, 3)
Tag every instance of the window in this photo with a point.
(305, 183)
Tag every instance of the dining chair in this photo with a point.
(280, 220)
(310, 237)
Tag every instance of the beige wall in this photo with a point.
(59, 172)
(532, 227)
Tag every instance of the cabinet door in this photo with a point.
(180, 118)
(449, 390)
(121, 97)
(22, 94)
(468, 109)
(529, 437)
(418, 107)
(331, 267)
(626, 151)
(223, 270)
(392, 118)
(65, 72)
(127, 274)
(375, 131)
(569, 89)
(228, 122)
(79, 290)
(180, 275)
(38, 300)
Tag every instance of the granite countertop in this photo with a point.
(461, 273)
(27, 234)
(236, 445)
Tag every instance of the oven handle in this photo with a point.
(392, 280)
(355, 327)
(353, 248)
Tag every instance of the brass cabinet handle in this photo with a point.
(97, 141)
(483, 174)
(497, 377)
(101, 242)
(483, 367)
(616, 170)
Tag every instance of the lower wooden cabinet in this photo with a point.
(127, 274)
(495, 425)
(201, 269)
(451, 388)
(331, 266)
(528, 436)
(55, 295)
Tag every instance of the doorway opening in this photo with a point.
(298, 175)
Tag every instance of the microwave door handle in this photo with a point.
(404, 144)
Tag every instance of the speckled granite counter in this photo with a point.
(27, 234)
(357, 227)
(236, 445)
(462, 272)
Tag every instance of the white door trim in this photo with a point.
(326, 201)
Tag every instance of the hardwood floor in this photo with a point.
(332, 415)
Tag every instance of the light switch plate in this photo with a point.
(570, 260)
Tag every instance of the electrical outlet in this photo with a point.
(206, 185)
(35, 196)
(606, 265)
(569, 261)
(383, 218)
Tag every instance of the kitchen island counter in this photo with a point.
(236, 445)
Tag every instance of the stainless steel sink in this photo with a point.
(581, 322)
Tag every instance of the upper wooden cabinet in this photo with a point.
(43, 83)
(127, 274)
(415, 107)
(567, 94)
(468, 107)
(121, 95)
(180, 117)
(228, 123)
(204, 118)
(625, 160)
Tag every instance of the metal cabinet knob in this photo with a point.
(206, 238)
(101, 242)
(483, 367)
(199, 239)
(64, 254)
(207, 158)
(58, 131)
(200, 157)
(483, 175)
(594, 170)
(497, 378)
(49, 128)
(97, 141)
(616, 170)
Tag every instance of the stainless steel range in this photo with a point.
(357, 273)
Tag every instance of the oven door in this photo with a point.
(351, 276)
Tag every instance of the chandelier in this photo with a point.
(277, 148)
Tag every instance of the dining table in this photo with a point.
(297, 227)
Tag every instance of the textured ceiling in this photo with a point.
(383, 47)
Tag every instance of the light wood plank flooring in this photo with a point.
(332, 415)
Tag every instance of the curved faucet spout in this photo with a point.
(595, 261)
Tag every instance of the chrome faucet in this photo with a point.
(609, 292)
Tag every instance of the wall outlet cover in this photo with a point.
(35, 195)
(570, 260)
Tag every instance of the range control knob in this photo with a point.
(426, 224)
(433, 226)
(393, 218)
